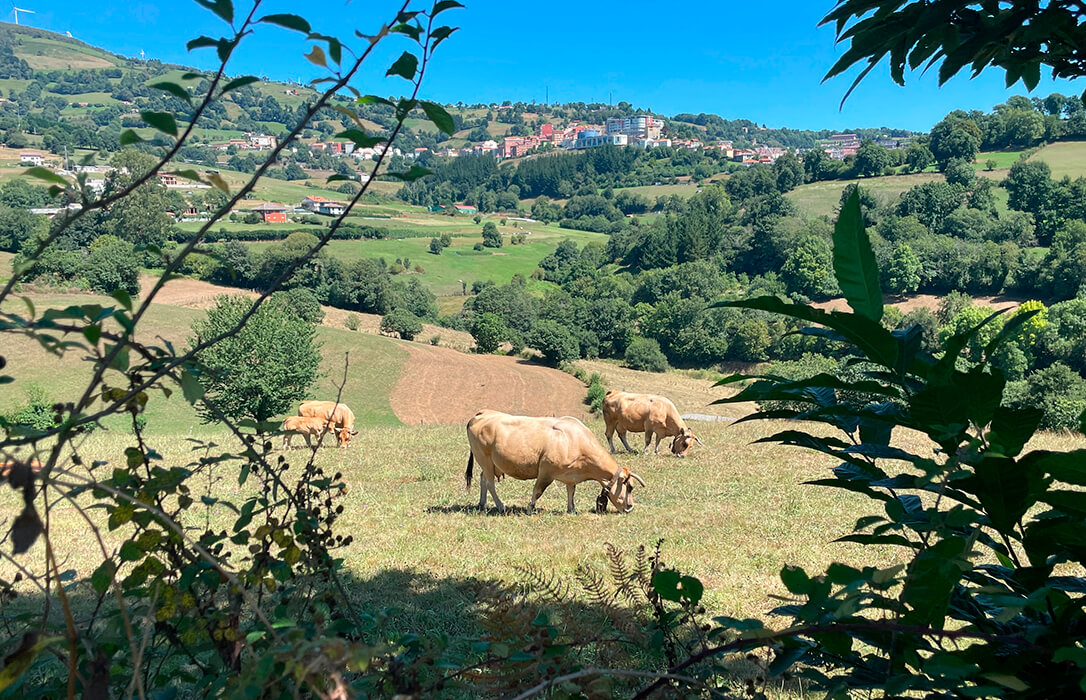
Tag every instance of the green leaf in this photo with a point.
(413, 174)
(443, 5)
(45, 174)
(796, 580)
(223, 8)
(854, 261)
(439, 35)
(129, 137)
(201, 42)
(102, 577)
(92, 334)
(130, 551)
(298, 24)
(191, 387)
(162, 121)
(19, 661)
(666, 585)
(359, 138)
(1011, 429)
(1005, 488)
(174, 89)
(438, 116)
(239, 82)
(405, 66)
(692, 589)
(1068, 467)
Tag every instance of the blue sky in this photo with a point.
(760, 61)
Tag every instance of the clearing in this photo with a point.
(1064, 158)
(822, 198)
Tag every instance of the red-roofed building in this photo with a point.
(271, 213)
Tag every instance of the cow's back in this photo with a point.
(518, 445)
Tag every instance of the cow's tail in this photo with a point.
(467, 472)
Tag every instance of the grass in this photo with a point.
(1003, 159)
(654, 191)
(50, 54)
(822, 198)
(443, 272)
(375, 366)
(1064, 158)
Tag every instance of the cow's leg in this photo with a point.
(570, 488)
(611, 437)
(648, 439)
(541, 484)
(622, 437)
(308, 443)
(286, 441)
(494, 494)
(486, 483)
(482, 492)
(658, 436)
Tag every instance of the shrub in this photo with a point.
(645, 354)
(37, 413)
(401, 322)
(435, 246)
(807, 366)
(488, 330)
(302, 302)
(435, 340)
(351, 322)
(596, 393)
(112, 264)
(492, 238)
(555, 341)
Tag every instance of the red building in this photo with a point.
(271, 213)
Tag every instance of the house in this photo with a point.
(313, 202)
(169, 180)
(331, 208)
(271, 213)
(591, 138)
(31, 158)
(262, 141)
(465, 209)
(96, 185)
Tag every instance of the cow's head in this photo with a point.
(683, 442)
(344, 436)
(619, 491)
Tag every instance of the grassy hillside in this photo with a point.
(443, 272)
(1067, 158)
(375, 367)
(822, 198)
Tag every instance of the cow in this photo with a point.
(646, 413)
(339, 413)
(544, 449)
(306, 426)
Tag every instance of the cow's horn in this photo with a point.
(635, 476)
(698, 440)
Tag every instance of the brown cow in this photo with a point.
(646, 413)
(544, 449)
(306, 426)
(339, 413)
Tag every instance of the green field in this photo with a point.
(822, 198)
(443, 272)
(1003, 159)
(1067, 158)
(654, 191)
(375, 366)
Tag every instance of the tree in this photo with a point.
(809, 268)
(644, 354)
(111, 265)
(872, 159)
(959, 172)
(918, 157)
(555, 341)
(17, 226)
(903, 272)
(489, 331)
(261, 371)
(302, 302)
(435, 246)
(492, 238)
(401, 322)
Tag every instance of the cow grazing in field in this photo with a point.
(646, 413)
(306, 426)
(339, 414)
(544, 449)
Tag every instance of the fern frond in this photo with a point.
(544, 583)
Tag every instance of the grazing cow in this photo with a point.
(646, 413)
(544, 449)
(339, 413)
(306, 426)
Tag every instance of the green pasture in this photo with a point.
(443, 272)
(375, 366)
(654, 191)
(1066, 158)
(822, 198)
(1003, 159)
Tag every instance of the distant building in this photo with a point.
(313, 202)
(639, 127)
(331, 208)
(262, 141)
(590, 138)
(31, 158)
(169, 180)
(465, 209)
(271, 213)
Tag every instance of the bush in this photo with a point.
(489, 331)
(435, 246)
(401, 322)
(37, 413)
(112, 264)
(301, 302)
(596, 393)
(1060, 393)
(555, 341)
(645, 354)
(351, 322)
(435, 340)
(492, 238)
